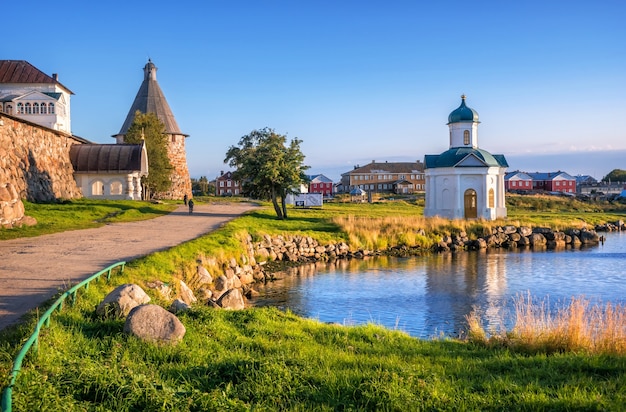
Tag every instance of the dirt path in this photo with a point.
(33, 269)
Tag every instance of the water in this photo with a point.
(430, 296)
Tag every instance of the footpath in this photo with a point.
(32, 270)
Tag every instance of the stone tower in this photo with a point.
(150, 99)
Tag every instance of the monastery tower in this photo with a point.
(150, 99)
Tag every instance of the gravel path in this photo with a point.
(32, 270)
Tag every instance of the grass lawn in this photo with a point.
(266, 360)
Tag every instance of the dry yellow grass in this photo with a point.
(380, 232)
(578, 326)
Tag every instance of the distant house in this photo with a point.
(585, 180)
(31, 95)
(387, 177)
(320, 184)
(518, 181)
(225, 185)
(554, 182)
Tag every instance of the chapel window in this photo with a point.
(466, 137)
(29, 109)
(9, 109)
(20, 108)
(97, 188)
(491, 198)
(51, 108)
(116, 188)
(43, 108)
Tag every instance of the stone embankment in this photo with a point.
(231, 283)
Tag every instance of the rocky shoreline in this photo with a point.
(235, 281)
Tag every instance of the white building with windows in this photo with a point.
(465, 182)
(31, 95)
(111, 171)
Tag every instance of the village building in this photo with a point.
(554, 182)
(465, 181)
(225, 185)
(321, 184)
(387, 177)
(518, 182)
(31, 95)
(150, 99)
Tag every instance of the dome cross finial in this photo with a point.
(463, 96)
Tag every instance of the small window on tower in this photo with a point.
(466, 139)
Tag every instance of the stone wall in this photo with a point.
(181, 182)
(35, 161)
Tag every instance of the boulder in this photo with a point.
(154, 324)
(537, 239)
(122, 300)
(204, 277)
(524, 231)
(232, 299)
(186, 294)
(179, 306)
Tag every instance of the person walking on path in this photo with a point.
(185, 199)
(190, 206)
(71, 257)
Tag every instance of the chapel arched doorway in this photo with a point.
(471, 211)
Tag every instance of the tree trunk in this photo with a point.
(283, 202)
(277, 209)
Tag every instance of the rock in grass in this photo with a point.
(232, 299)
(122, 300)
(154, 324)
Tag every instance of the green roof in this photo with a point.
(452, 158)
(463, 114)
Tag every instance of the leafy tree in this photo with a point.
(267, 168)
(148, 127)
(202, 186)
(616, 175)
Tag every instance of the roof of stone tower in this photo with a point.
(150, 99)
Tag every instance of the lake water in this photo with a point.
(430, 296)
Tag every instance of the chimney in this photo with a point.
(221, 173)
(55, 76)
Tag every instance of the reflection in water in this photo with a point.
(431, 295)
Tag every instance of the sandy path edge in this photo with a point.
(32, 270)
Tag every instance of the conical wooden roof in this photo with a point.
(150, 99)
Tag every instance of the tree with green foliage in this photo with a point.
(202, 186)
(148, 127)
(616, 175)
(267, 167)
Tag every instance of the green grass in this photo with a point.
(83, 214)
(264, 359)
(268, 360)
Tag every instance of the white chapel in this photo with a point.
(465, 182)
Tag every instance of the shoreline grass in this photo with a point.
(579, 326)
(266, 359)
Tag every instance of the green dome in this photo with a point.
(463, 114)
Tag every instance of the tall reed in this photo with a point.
(578, 326)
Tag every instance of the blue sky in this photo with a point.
(355, 80)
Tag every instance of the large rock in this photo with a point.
(537, 239)
(186, 294)
(122, 300)
(154, 324)
(204, 277)
(233, 299)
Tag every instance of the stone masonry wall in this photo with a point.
(181, 183)
(35, 161)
